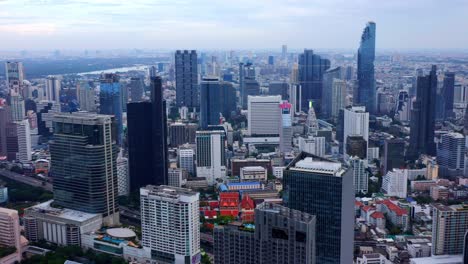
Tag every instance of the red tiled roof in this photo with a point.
(232, 213)
(377, 215)
(210, 214)
(247, 203)
(395, 208)
(357, 203)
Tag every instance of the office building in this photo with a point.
(86, 97)
(311, 70)
(251, 88)
(186, 74)
(394, 154)
(53, 88)
(110, 101)
(360, 177)
(264, 115)
(295, 97)
(60, 226)
(5, 131)
(448, 94)
(279, 88)
(451, 155)
(123, 179)
(229, 97)
(10, 235)
(17, 108)
(177, 134)
(84, 154)
(356, 146)
(186, 157)
(238, 164)
(211, 160)
(356, 123)
(147, 139)
(323, 188)
(170, 224)
(329, 78)
(286, 130)
(449, 225)
(14, 73)
(395, 183)
(152, 71)
(176, 177)
(23, 133)
(423, 117)
(136, 89)
(284, 51)
(312, 145)
(365, 71)
(253, 174)
(210, 102)
(281, 235)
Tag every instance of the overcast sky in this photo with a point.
(231, 24)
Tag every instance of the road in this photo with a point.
(25, 179)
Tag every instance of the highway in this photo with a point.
(25, 179)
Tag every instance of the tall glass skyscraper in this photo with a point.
(210, 102)
(147, 139)
(186, 73)
(324, 188)
(110, 99)
(311, 70)
(84, 157)
(423, 116)
(365, 71)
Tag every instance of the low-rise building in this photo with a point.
(419, 247)
(397, 215)
(253, 173)
(374, 258)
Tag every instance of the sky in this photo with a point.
(231, 24)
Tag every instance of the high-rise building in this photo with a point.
(14, 73)
(311, 125)
(286, 130)
(356, 146)
(423, 117)
(170, 224)
(147, 139)
(312, 145)
(136, 87)
(295, 97)
(449, 225)
(152, 71)
(84, 154)
(329, 78)
(123, 181)
(17, 107)
(395, 183)
(211, 160)
(360, 177)
(451, 155)
(86, 97)
(271, 60)
(311, 70)
(110, 101)
(229, 99)
(366, 71)
(394, 154)
(210, 102)
(284, 51)
(251, 88)
(53, 88)
(5, 121)
(23, 133)
(448, 94)
(279, 88)
(186, 72)
(281, 236)
(11, 234)
(264, 115)
(356, 123)
(323, 188)
(186, 157)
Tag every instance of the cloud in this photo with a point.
(31, 29)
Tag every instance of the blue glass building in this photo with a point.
(365, 71)
(210, 102)
(110, 99)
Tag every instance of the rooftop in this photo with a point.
(310, 164)
(46, 209)
(120, 233)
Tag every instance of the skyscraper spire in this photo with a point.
(311, 124)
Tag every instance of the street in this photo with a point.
(25, 179)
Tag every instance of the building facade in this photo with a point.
(365, 70)
(449, 225)
(211, 161)
(186, 74)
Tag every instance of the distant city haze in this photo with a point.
(240, 24)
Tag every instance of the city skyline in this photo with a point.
(55, 24)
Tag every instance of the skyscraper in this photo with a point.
(83, 155)
(311, 70)
(136, 87)
(356, 123)
(147, 139)
(279, 88)
(451, 155)
(14, 73)
(210, 102)
(170, 224)
(449, 224)
(394, 154)
(360, 177)
(53, 87)
(448, 94)
(423, 116)
(264, 115)
(110, 99)
(329, 78)
(86, 97)
(366, 71)
(229, 97)
(251, 88)
(284, 51)
(17, 107)
(186, 72)
(286, 130)
(23, 133)
(211, 160)
(323, 188)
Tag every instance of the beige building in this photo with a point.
(10, 234)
